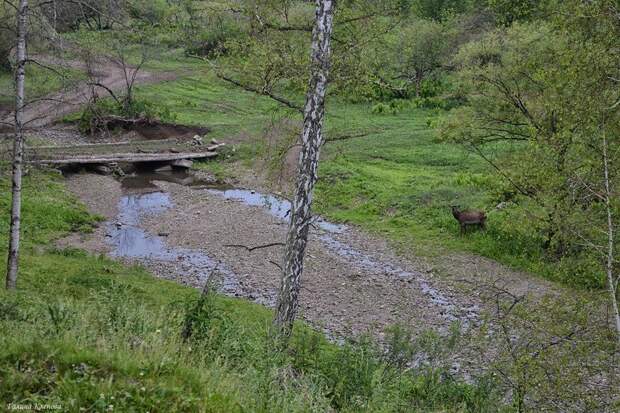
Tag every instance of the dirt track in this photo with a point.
(45, 111)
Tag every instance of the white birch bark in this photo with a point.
(18, 148)
(311, 140)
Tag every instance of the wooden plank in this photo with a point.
(128, 157)
(108, 144)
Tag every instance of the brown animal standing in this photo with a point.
(472, 218)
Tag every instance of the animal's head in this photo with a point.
(455, 208)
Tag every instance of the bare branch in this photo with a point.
(257, 247)
(262, 92)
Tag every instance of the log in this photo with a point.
(126, 157)
(89, 146)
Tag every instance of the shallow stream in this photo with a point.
(143, 197)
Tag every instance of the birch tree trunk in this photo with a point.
(612, 281)
(18, 148)
(311, 140)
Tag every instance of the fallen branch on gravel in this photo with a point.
(250, 249)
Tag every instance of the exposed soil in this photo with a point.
(153, 130)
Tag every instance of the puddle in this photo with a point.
(128, 240)
(278, 207)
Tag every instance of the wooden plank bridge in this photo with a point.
(166, 151)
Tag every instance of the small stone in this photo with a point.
(182, 163)
(163, 168)
(102, 169)
(214, 141)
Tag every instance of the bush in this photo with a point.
(212, 42)
(151, 12)
(7, 37)
(97, 116)
(396, 106)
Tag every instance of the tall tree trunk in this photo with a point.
(311, 139)
(18, 147)
(612, 282)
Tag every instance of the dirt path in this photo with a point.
(45, 111)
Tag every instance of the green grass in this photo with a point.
(397, 180)
(400, 182)
(90, 334)
(202, 99)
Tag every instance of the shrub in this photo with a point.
(151, 12)
(212, 42)
(96, 116)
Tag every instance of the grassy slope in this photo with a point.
(201, 99)
(91, 334)
(400, 181)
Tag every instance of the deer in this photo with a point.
(466, 218)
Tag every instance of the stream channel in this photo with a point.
(142, 197)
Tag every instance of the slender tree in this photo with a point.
(311, 140)
(18, 146)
